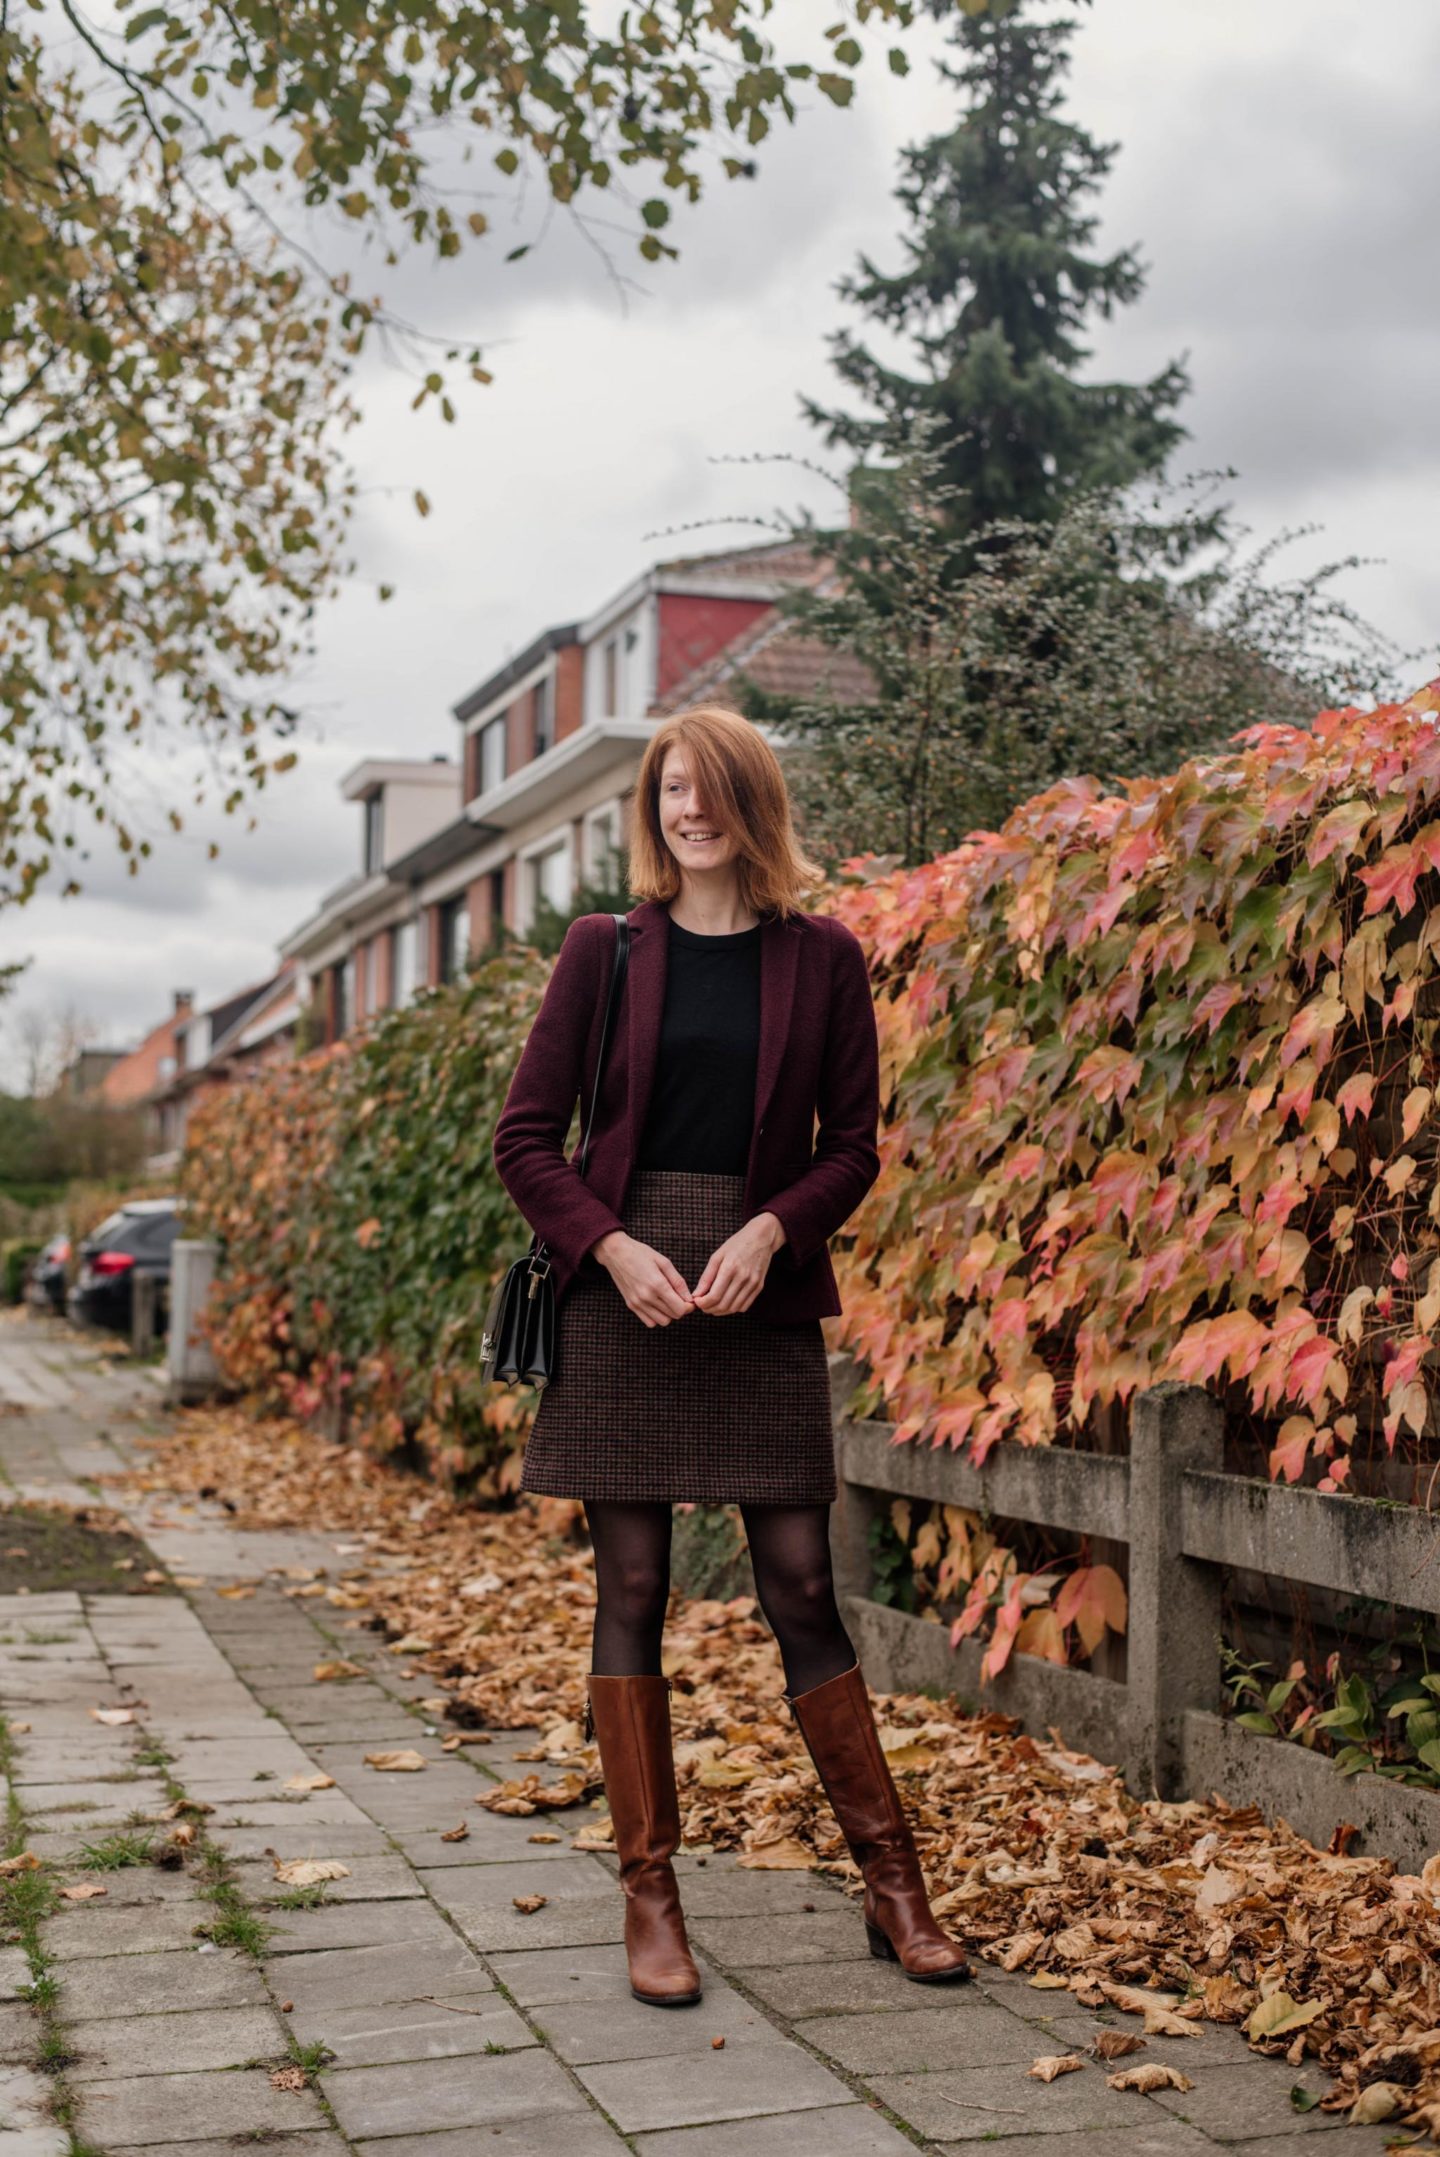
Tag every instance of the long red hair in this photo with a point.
(743, 787)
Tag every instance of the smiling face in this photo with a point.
(697, 839)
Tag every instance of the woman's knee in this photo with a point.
(634, 1589)
(800, 1600)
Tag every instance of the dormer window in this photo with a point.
(374, 834)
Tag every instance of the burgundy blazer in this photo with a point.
(818, 1054)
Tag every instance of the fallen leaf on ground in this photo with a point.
(540, 1835)
(178, 1807)
(529, 1903)
(785, 1854)
(309, 1782)
(239, 1592)
(1114, 2044)
(188, 1580)
(339, 1668)
(1160, 2021)
(403, 1761)
(309, 1871)
(1149, 2075)
(26, 1861)
(184, 1834)
(1051, 2064)
(1279, 2014)
(595, 1835)
(1379, 2101)
(458, 1834)
(21, 1726)
(289, 2078)
(457, 1738)
(113, 1716)
(1049, 1981)
(84, 1891)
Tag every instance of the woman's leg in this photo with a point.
(790, 1556)
(632, 1585)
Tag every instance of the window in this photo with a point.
(402, 963)
(497, 904)
(612, 678)
(341, 1008)
(544, 715)
(374, 833)
(492, 754)
(601, 845)
(372, 976)
(454, 938)
(548, 875)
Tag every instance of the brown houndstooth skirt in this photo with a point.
(718, 1410)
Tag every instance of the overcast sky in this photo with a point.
(1276, 169)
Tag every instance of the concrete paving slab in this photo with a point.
(20, 2033)
(491, 1841)
(554, 2134)
(1244, 2100)
(845, 1988)
(538, 1976)
(850, 2130)
(975, 2033)
(587, 2032)
(157, 1984)
(1170, 2139)
(742, 1942)
(977, 2103)
(382, 2101)
(340, 1838)
(579, 1921)
(370, 1879)
(373, 1976)
(27, 2128)
(14, 1972)
(159, 2044)
(145, 1928)
(481, 1887)
(158, 2111)
(752, 2080)
(441, 2029)
(313, 2142)
(355, 1924)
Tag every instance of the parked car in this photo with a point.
(134, 1240)
(45, 1286)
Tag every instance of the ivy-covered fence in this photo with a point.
(1163, 1103)
(362, 1226)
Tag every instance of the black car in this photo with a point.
(45, 1284)
(137, 1239)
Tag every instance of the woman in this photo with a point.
(691, 1275)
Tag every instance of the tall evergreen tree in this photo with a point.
(996, 290)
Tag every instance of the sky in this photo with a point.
(1276, 170)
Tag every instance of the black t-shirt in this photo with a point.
(702, 1103)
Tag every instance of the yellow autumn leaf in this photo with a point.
(309, 1871)
(404, 1760)
(1279, 2014)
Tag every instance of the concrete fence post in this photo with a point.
(1173, 1657)
(144, 1303)
(189, 1361)
(855, 1506)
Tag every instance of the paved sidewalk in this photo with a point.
(443, 2020)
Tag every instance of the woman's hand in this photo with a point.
(735, 1274)
(650, 1285)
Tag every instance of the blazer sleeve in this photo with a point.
(529, 1142)
(847, 1160)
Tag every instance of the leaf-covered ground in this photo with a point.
(1181, 1913)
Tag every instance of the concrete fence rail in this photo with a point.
(1185, 1521)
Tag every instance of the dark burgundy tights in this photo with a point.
(790, 1557)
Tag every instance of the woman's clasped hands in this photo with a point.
(656, 1292)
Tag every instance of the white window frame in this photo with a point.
(560, 835)
(400, 992)
(595, 850)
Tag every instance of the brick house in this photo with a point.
(550, 747)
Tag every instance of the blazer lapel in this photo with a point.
(779, 958)
(645, 997)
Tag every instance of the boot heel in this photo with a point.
(881, 1944)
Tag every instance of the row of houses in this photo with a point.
(534, 805)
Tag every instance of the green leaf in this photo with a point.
(148, 19)
(655, 212)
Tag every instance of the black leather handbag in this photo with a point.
(519, 1342)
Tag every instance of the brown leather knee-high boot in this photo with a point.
(838, 1726)
(630, 1721)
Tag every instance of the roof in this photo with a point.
(780, 659)
(494, 685)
